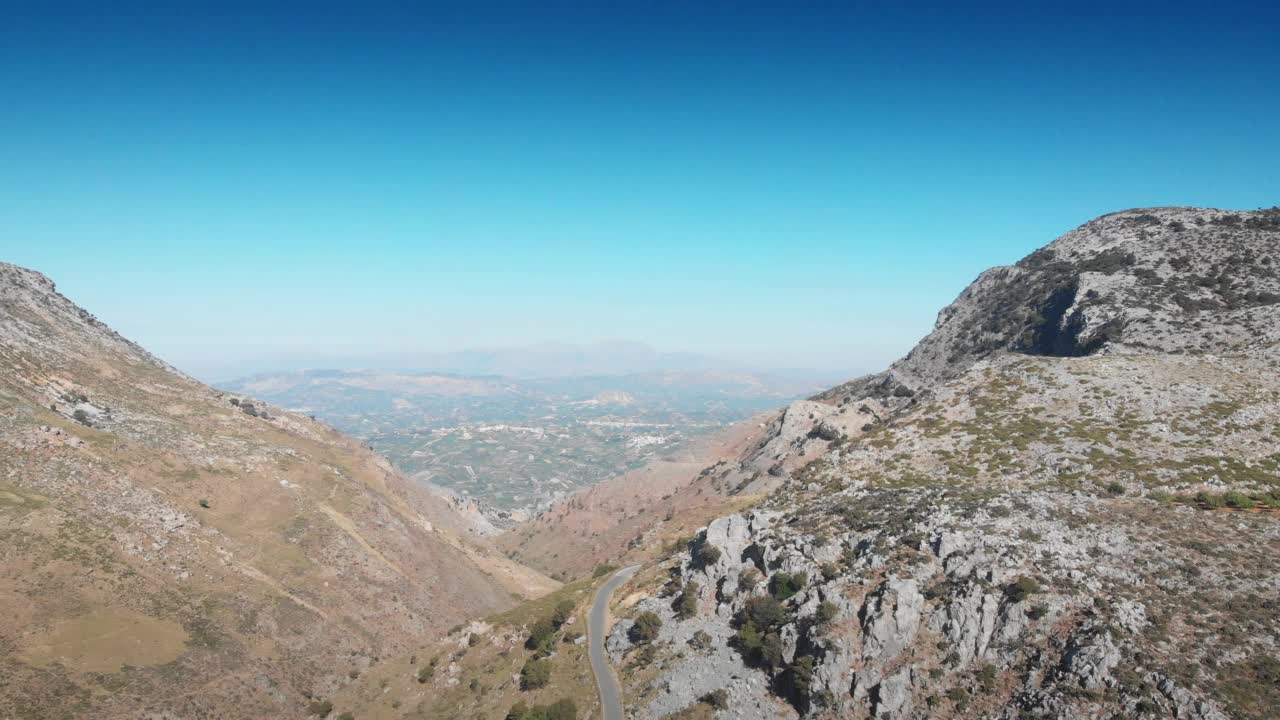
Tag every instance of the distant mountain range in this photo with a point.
(545, 360)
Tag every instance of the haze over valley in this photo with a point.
(513, 445)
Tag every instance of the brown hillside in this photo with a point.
(172, 551)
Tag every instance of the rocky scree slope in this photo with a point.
(1064, 507)
(167, 550)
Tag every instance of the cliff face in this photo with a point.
(174, 550)
(1060, 504)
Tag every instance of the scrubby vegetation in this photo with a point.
(686, 605)
(564, 709)
(645, 627)
(535, 673)
(783, 585)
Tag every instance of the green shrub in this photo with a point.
(708, 554)
(747, 580)
(701, 640)
(536, 673)
(645, 628)
(783, 585)
(542, 636)
(826, 612)
(1237, 500)
(686, 605)
(426, 672)
(320, 708)
(830, 571)
(987, 677)
(346, 716)
(763, 611)
(1210, 500)
(748, 639)
(644, 657)
(1023, 588)
(562, 612)
(771, 650)
(603, 569)
(798, 678)
(564, 709)
(757, 637)
(1115, 488)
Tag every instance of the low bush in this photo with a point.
(783, 585)
(686, 605)
(1022, 589)
(717, 699)
(562, 612)
(542, 636)
(826, 613)
(535, 674)
(565, 709)
(645, 628)
(708, 554)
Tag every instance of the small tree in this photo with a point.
(771, 650)
(763, 611)
(799, 678)
(645, 628)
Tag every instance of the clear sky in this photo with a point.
(243, 188)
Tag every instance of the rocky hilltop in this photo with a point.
(1060, 504)
(169, 550)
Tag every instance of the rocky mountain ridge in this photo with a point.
(1060, 504)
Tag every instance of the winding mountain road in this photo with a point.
(606, 681)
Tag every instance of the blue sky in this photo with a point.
(240, 189)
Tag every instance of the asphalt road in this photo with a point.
(606, 681)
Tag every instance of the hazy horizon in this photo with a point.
(547, 359)
(242, 189)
